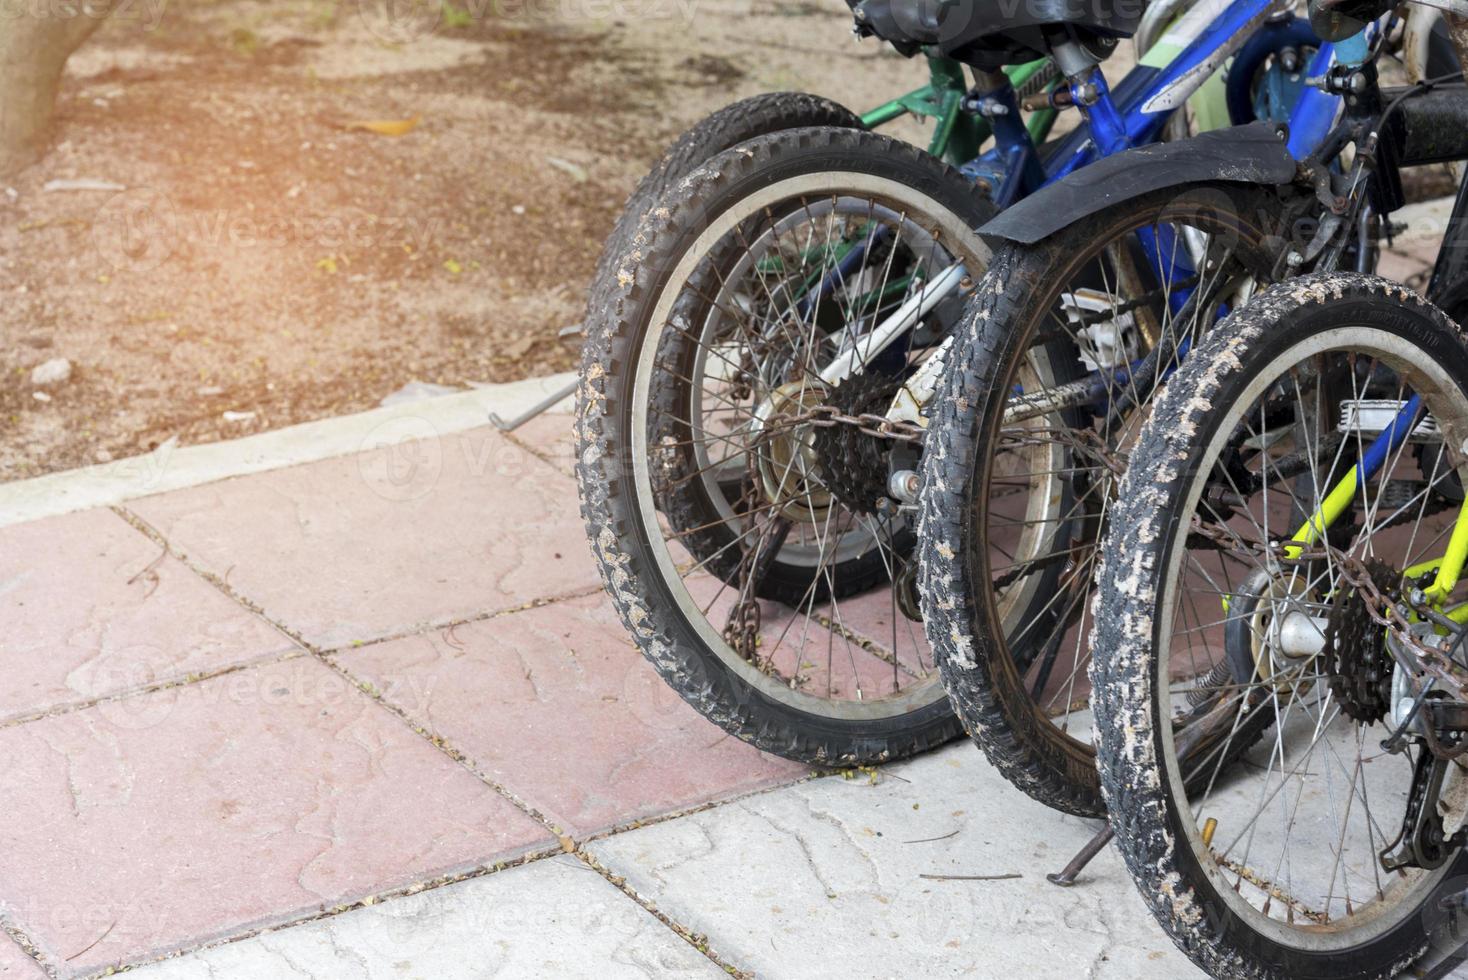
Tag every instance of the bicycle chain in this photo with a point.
(1383, 611)
(879, 426)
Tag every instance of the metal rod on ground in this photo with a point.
(1187, 740)
(539, 408)
(1067, 876)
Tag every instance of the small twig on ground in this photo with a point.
(150, 571)
(929, 840)
(105, 933)
(970, 877)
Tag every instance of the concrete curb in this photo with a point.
(170, 467)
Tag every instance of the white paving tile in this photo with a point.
(822, 879)
(553, 918)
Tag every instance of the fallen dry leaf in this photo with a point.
(385, 127)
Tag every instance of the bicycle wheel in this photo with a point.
(759, 115)
(1055, 366)
(737, 504)
(1329, 851)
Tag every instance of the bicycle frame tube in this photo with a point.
(1453, 560)
(1148, 95)
(1343, 494)
(1449, 568)
(945, 76)
(1023, 172)
(1315, 111)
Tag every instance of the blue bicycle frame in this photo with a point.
(1135, 114)
(1136, 111)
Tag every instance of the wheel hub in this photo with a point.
(1255, 635)
(786, 465)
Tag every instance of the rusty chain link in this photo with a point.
(879, 426)
(1383, 611)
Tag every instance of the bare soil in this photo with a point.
(268, 261)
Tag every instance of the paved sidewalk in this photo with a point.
(369, 716)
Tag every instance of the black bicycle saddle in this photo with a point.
(989, 34)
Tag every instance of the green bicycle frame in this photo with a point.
(958, 136)
(1449, 567)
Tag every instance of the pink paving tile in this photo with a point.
(90, 609)
(832, 663)
(421, 530)
(553, 438)
(873, 616)
(557, 705)
(15, 964)
(200, 811)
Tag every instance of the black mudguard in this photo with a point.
(1252, 154)
(1434, 125)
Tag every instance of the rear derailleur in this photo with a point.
(1424, 841)
(1439, 726)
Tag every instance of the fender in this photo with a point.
(1252, 154)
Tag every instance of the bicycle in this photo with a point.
(751, 411)
(1327, 612)
(1089, 306)
(1289, 545)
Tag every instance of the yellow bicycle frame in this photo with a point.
(1449, 567)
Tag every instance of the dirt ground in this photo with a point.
(265, 261)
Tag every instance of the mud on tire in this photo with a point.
(626, 548)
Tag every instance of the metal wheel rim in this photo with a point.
(1395, 352)
(951, 228)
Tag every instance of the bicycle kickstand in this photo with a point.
(1084, 856)
(571, 333)
(540, 408)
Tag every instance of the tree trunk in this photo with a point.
(35, 41)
